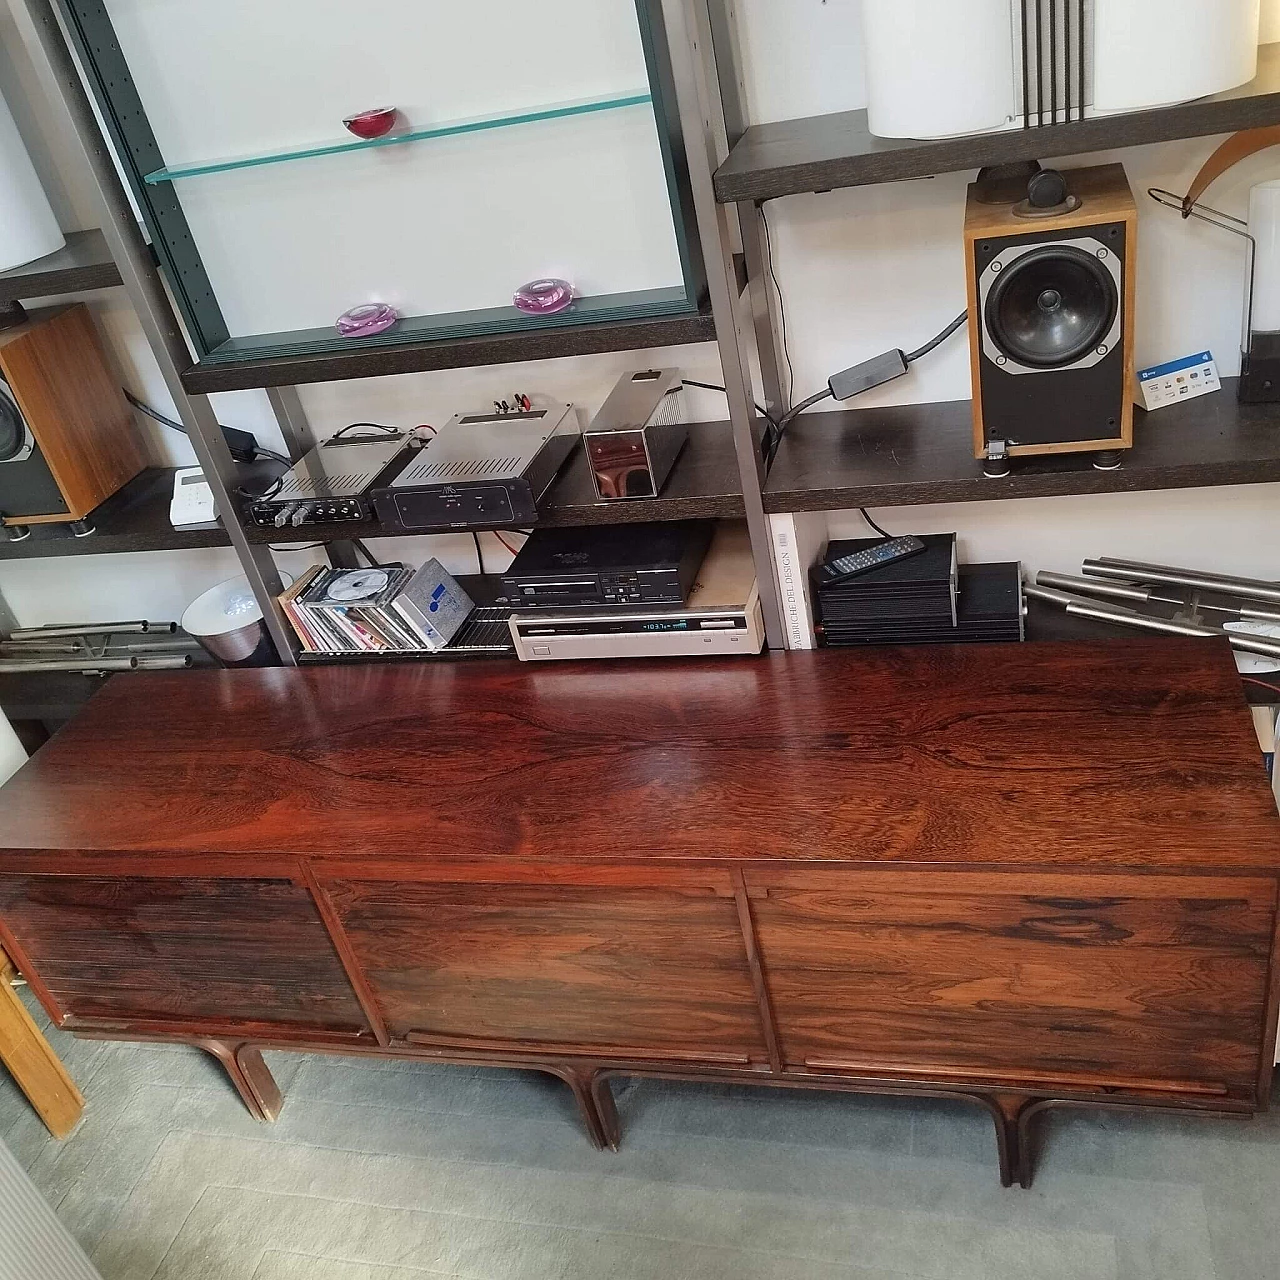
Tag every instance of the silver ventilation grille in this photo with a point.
(295, 486)
(429, 469)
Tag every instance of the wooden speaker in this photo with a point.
(1052, 271)
(68, 439)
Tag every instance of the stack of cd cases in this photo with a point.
(929, 599)
(390, 609)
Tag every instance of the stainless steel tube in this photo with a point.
(1113, 590)
(1127, 618)
(10, 667)
(72, 631)
(1093, 587)
(1130, 570)
(1100, 611)
(165, 662)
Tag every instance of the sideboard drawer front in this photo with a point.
(191, 950)
(1140, 983)
(659, 971)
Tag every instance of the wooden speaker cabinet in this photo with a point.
(68, 439)
(1051, 316)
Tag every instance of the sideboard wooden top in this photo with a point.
(1134, 753)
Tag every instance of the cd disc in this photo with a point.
(359, 584)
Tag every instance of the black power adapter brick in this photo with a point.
(870, 373)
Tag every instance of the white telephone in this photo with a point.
(192, 499)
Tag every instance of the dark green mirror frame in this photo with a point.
(112, 85)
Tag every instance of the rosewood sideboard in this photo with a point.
(1022, 876)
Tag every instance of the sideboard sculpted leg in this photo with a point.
(251, 1076)
(602, 1126)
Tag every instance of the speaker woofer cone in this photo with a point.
(13, 428)
(1052, 307)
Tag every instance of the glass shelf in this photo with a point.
(446, 129)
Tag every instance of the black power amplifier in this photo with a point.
(331, 484)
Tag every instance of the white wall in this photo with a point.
(863, 270)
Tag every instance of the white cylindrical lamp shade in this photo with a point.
(28, 229)
(1153, 53)
(938, 69)
(1264, 227)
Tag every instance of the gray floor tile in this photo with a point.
(403, 1171)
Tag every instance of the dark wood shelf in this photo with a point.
(821, 153)
(461, 353)
(135, 519)
(917, 454)
(704, 484)
(84, 264)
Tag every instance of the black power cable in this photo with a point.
(934, 343)
(867, 517)
(715, 386)
(173, 425)
(896, 369)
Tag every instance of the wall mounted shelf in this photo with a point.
(821, 153)
(84, 264)
(918, 454)
(704, 484)
(547, 342)
(445, 129)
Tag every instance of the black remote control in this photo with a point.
(838, 571)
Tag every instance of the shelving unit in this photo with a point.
(917, 454)
(823, 153)
(444, 129)
(828, 461)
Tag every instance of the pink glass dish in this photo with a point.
(544, 297)
(366, 320)
(374, 123)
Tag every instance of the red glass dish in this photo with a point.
(374, 123)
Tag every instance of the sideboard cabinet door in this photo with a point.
(656, 971)
(191, 951)
(1098, 982)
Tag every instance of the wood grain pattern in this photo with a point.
(653, 973)
(180, 951)
(1152, 983)
(85, 263)
(1074, 757)
(58, 371)
(880, 872)
(32, 1063)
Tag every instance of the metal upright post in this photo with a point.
(722, 25)
(151, 302)
(286, 404)
(697, 89)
